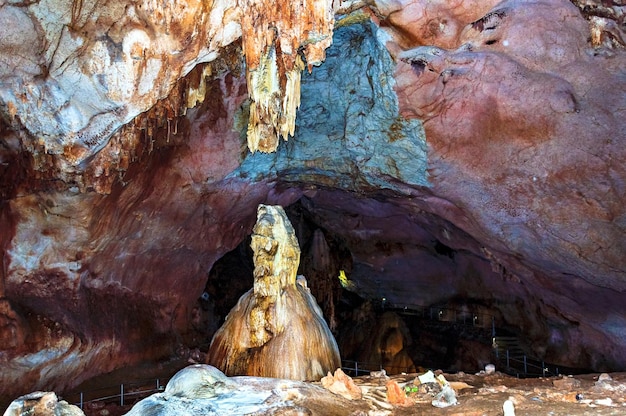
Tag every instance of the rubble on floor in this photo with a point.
(209, 392)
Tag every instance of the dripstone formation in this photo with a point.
(276, 329)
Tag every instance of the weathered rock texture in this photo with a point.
(526, 128)
(42, 404)
(378, 343)
(274, 36)
(484, 167)
(205, 391)
(276, 329)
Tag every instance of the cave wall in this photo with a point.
(501, 141)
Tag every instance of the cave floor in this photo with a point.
(589, 394)
(561, 395)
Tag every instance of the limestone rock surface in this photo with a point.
(459, 151)
(276, 329)
(42, 404)
(84, 69)
(204, 390)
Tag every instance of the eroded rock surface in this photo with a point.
(276, 329)
(504, 188)
(525, 129)
(42, 404)
(204, 390)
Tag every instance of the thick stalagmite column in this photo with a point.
(276, 329)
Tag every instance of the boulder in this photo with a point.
(41, 403)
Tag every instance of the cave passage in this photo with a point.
(375, 330)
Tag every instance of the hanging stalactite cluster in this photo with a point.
(275, 34)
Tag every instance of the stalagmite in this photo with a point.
(276, 329)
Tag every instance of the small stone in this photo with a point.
(460, 385)
(382, 373)
(427, 377)
(395, 394)
(342, 384)
(447, 397)
(604, 377)
(490, 369)
(566, 383)
(509, 408)
(604, 402)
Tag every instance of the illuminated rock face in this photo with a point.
(84, 70)
(525, 119)
(509, 113)
(74, 73)
(276, 329)
(274, 36)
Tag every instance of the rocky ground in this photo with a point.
(563, 395)
(476, 394)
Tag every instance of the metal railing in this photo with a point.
(510, 353)
(465, 316)
(357, 368)
(126, 393)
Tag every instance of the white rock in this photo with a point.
(427, 377)
(604, 402)
(445, 398)
(42, 403)
(508, 408)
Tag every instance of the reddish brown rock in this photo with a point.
(496, 116)
(341, 384)
(424, 22)
(395, 394)
(525, 136)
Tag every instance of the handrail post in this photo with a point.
(356, 368)
(81, 400)
(525, 368)
(121, 395)
(507, 359)
(543, 368)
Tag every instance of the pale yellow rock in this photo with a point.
(342, 384)
(274, 35)
(276, 329)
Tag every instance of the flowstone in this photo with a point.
(276, 329)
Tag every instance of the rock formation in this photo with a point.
(276, 329)
(204, 391)
(378, 342)
(42, 404)
(456, 149)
